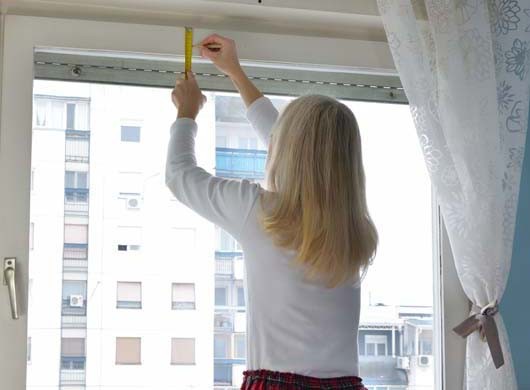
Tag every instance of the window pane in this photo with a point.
(240, 296)
(183, 296)
(370, 349)
(70, 116)
(220, 296)
(73, 347)
(128, 350)
(69, 179)
(129, 295)
(130, 133)
(220, 346)
(240, 346)
(182, 351)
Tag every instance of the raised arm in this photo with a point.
(261, 113)
(226, 203)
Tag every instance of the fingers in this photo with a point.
(214, 38)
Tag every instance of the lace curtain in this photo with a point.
(464, 65)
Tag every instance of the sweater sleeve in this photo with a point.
(262, 115)
(227, 203)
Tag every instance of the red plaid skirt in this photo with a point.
(273, 380)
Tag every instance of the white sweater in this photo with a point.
(292, 325)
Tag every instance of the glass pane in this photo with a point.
(130, 133)
(75, 281)
(70, 116)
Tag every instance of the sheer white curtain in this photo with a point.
(465, 66)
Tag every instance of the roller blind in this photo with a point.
(76, 234)
(183, 292)
(128, 350)
(129, 291)
(269, 78)
(182, 351)
(73, 347)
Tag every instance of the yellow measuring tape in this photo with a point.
(188, 47)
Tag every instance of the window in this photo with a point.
(76, 179)
(227, 243)
(221, 141)
(221, 298)
(41, 108)
(183, 296)
(76, 234)
(240, 296)
(74, 297)
(130, 134)
(73, 353)
(247, 143)
(128, 350)
(182, 351)
(375, 345)
(129, 295)
(77, 148)
(222, 373)
(70, 116)
(240, 346)
(221, 346)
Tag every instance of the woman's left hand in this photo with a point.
(187, 97)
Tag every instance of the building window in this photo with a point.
(222, 373)
(130, 133)
(240, 346)
(221, 141)
(128, 350)
(74, 297)
(221, 346)
(75, 234)
(182, 351)
(221, 296)
(425, 347)
(41, 111)
(70, 116)
(77, 148)
(129, 295)
(183, 296)
(375, 345)
(240, 296)
(76, 179)
(73, 353)
(248, 143)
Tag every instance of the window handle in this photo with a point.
(9, 280)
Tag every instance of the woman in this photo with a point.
(306, 239)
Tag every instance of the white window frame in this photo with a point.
(24, 33)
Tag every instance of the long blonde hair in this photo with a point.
(317, 201)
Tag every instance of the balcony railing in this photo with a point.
(73, 377)
(240, 163)
(73, 321)
(224, 267)
(76, 200)
(73, 362)
(68, 310)
(75, 257)
(77, 146)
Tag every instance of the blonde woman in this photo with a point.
(307, 239)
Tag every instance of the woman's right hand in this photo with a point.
(225, 58)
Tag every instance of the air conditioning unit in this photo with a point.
(424, 360)
(133, 203)
(76, 300)
(403, 362)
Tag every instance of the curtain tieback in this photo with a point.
(484, 322)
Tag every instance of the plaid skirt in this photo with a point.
(273, 380)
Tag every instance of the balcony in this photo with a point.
(75, 257)
(68, 310)
(381, 371)
(228, 320)
(76, 201)
(73, 377)
(73, 321)
(224, 267)
(240, 163)
(77, 146)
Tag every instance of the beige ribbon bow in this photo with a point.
(484, 322)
